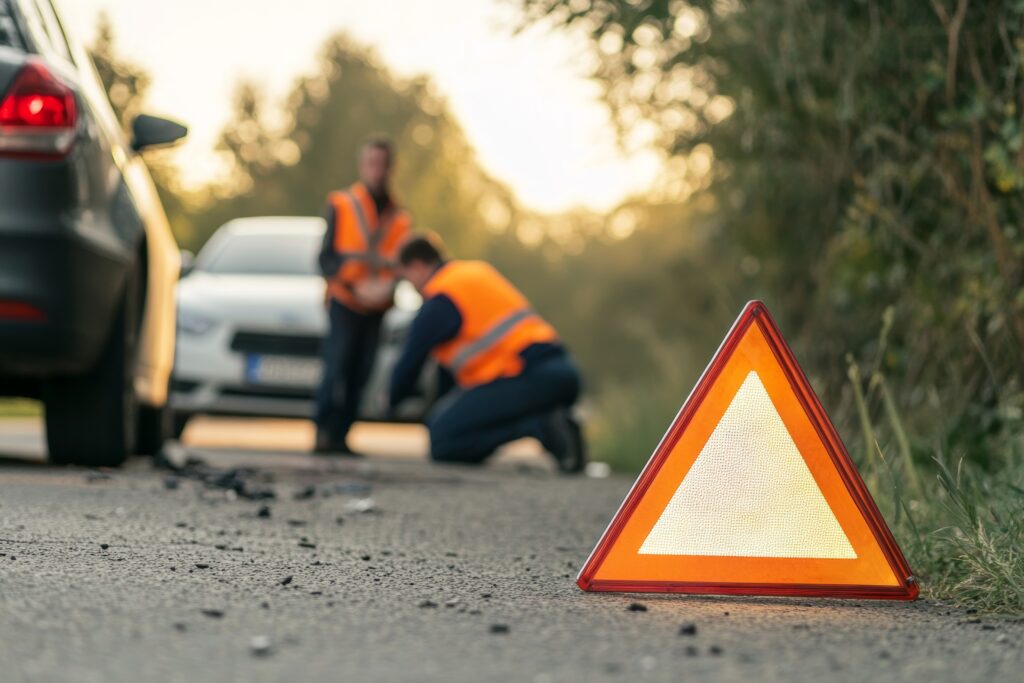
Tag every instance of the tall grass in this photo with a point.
(961, 521)
(961, 527)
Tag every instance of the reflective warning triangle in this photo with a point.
(750, 492)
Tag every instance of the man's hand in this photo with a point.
(374, 293)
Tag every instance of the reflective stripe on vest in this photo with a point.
(368, 253)
(498, 323)
(488, 340)
(370, 239)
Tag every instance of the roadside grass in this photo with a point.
(958, 519)
(18, 407)
(630, 424)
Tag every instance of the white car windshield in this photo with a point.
(262, 254)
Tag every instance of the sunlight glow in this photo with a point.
(523, 99)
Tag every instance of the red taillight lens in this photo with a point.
(19, 311)
(38, 114)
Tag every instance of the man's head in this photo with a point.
(375, 163)
(418, 259)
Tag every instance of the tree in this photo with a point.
(126, 84)
(290, 168)
(867, 157)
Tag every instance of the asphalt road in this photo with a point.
(391, 569)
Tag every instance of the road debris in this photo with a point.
(499, 628)
(212, 613)
(637, 607)
(305, 493)
(237, 482)
(286, 580)
(351, 488)
(361, 505)
(260, 646)
(688, 630)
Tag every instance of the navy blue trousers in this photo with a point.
(468, 425)
(348, 355)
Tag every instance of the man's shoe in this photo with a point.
(563, 439)
(326, 446)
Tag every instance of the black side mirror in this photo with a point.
(188, 262)
(153, 131)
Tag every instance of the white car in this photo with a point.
(251, 321)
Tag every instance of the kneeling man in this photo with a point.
(514, 378)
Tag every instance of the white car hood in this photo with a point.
(271, 302)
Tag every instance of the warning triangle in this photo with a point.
(763, 500)
(750, 492)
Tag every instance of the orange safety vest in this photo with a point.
(497, 323)
(369, 242)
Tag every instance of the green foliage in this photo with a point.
(868, 170)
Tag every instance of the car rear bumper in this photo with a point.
(70, 286)
(59, 259)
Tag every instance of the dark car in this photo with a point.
(87, 260)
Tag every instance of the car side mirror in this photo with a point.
(188, 262)
(153, 131)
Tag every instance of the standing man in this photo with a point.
(364, 231)
(514, 378)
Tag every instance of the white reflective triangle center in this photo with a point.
(749, 493)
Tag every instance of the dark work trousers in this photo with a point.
(348, 355)
(468, 425)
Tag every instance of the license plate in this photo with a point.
(282, 371)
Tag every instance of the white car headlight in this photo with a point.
(191, 322)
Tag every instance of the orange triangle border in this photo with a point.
(755, 313)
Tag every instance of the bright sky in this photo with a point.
(523, 100)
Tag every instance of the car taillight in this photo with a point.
(20, 311)
(37, 115)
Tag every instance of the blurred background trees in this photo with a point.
(867, 158)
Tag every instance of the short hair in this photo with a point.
(381, 142)
(420, 248)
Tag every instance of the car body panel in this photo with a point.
(72, 229)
